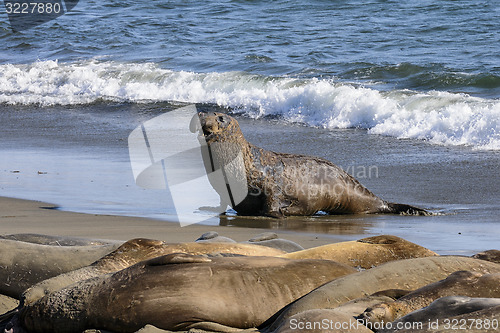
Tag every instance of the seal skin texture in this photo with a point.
(281, 184)
(181, 292)
(133, 252)
(463, 283)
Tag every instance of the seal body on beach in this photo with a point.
(59, 240)
(490, 255)
(446, 307)
(365, 253)
(180, 292)
(135, 251)
(463, 283)
(281, 184)
(408, 274)
(478, 313)
(271, 239)
(23, 263)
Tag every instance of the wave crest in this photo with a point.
(439, 117)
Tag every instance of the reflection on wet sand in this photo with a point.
(327, 224)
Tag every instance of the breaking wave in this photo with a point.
(439, 117)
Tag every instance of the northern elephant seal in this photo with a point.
(24, 264)
(490, 255)
(59, 240)
(445, 307)
(282, 184)
(463, 283)
(180, 292)
(409, 274)
(214, 237)
(271, 239)
(137, 250)
(365, 253)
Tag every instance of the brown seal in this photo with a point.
(408, 274)
(181, 292)
(59, 240)
(365, 253)
(446, 307)
(282, 184)
(463, 283)
(490, 255)
(23, 263)
(478, 313)
(134, 251)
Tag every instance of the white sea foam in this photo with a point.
(439, 117)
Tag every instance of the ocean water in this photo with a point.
(411, 87)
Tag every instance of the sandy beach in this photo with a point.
(24, 216)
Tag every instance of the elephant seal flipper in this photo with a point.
(263, 236)
(271, 239)
(177, 258)
(214, 237)
(281, 184)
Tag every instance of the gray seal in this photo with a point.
(281, 184)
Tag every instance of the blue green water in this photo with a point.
(424, 45)
(410, 86)
(410, 69)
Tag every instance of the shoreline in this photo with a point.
(28, 216)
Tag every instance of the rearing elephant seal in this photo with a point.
(282, 184)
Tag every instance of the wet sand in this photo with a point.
(77, 158)
(24, 216)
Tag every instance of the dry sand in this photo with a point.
(24, 216)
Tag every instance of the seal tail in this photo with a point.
(402, 209)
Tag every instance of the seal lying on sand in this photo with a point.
(59, 240)
(24, 264)
(214, 237)
(365, 253)
(490, 255)
(408, 274)
(180, 292)
(282, 184)
(447, 307)
(269, 239)
(480, 321)
(137, 250)
(463, 283)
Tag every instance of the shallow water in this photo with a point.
(85, 173)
